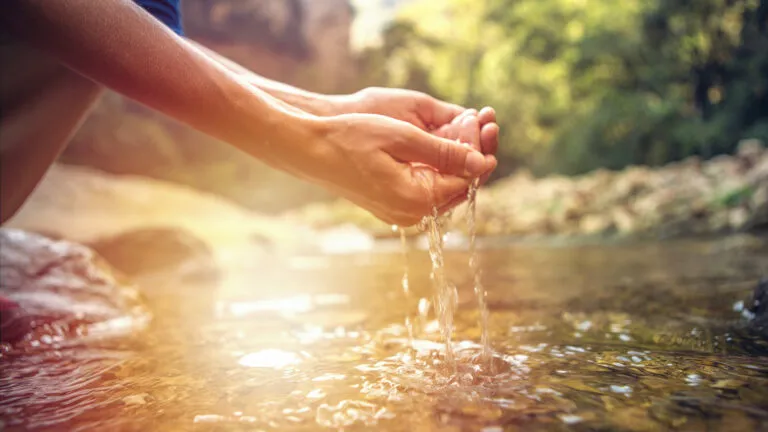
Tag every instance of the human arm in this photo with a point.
(364, 158)
(417, 108)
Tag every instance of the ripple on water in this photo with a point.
(254, 368)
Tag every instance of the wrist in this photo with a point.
(286, 139)
(336, 105)
(313, 103)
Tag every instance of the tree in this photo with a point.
(580, 85)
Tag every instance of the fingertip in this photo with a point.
(469, 121)
(466, 113)
(475, 164)
(487, 115)
(489, 138)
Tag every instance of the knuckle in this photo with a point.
(443, 156)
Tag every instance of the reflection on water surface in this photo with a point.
(614, 337)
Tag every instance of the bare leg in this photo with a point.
(42, 104)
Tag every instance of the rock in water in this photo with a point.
(58, 292)
(149, 250)
(759, 307)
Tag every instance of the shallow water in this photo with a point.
(593, 337)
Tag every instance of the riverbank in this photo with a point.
(692, 197)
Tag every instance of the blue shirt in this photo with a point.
(166, 11)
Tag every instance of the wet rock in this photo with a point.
(57, 291)
(749, 152)
(624, 220)
(759, 207)
(12, 326)
(738, 218)
(596, 224)
(152, 249)
(759, 308)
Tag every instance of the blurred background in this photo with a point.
(578, 85)
(627, 119)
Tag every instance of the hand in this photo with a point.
(423, 111)
(393, 169)
(466, 129)
(488, 139)
(489, 131)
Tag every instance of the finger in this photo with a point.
(494, 163)
(451, 131)
(437, 113)
(489, 138)
(469, 132)
(484, 178)
(487, 115)
(446, 131)
(470, 112)
(446, 156)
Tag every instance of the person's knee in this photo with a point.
(36, 126)
(9, 207)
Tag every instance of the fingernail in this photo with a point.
(475, 164)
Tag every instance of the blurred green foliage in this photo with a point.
(582, 84)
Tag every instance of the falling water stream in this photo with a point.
(474, 264)
(446, 295)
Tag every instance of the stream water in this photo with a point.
(641, 336)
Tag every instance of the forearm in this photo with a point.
(314, 103)
(115, 43)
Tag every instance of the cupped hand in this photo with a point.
(394, 169)
(487, 140)
(425, 112)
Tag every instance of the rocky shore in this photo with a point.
(693, 197)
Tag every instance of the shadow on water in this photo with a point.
(646, 336)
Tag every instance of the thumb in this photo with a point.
(446, 156)
(437, 113)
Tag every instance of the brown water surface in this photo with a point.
(629, 337)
